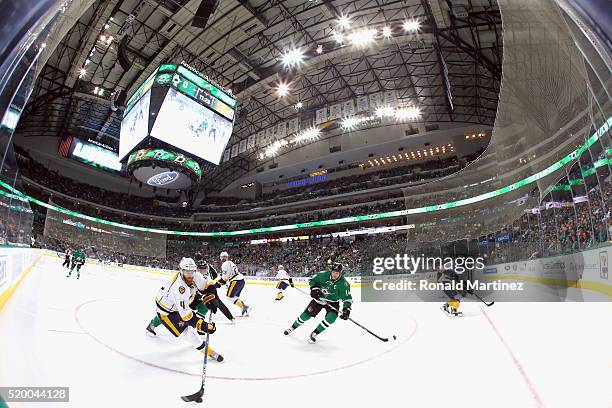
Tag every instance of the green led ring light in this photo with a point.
(368, 217)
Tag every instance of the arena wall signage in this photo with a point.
(18, 195)
(162, 179)
(92, 153)
(306, 181)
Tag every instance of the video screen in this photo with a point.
(95, 156)
(191, 127)
(135, 125)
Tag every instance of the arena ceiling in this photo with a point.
(456, 53)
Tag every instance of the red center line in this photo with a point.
(518, 365)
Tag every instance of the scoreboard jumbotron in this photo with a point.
(181, 112)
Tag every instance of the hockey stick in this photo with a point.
(489, 304)
(385, 339)
(197, 397)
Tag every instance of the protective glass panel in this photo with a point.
(99, 240)
(15, 213)
(547, 111)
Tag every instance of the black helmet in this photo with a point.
(200, 262)
(336, 266)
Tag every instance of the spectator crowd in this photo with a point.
(546, 232)
(566, 220)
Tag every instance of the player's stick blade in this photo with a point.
(197, 397)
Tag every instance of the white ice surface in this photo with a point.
(89, 335)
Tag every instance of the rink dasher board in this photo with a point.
(590, 267)
(15, 265)
(253, 280)
(585, 270)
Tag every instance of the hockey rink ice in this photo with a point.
(89, 334)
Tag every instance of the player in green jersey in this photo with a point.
(78, 259)
(327, 289)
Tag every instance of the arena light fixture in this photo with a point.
(307, 135)
(386, 31)
(362, 38)
(411, 25)
(98, 91)
(298, 106)
(348, 123)
(273, 149)
(338, 37)
(294, 56)
(344, 22)
(282, 89)
(351, 122)
(82, 72)
(319, 49)
(383, 111)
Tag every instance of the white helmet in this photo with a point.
(224, 254)
(281, 268)
(188, 264)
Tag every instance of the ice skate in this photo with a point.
(151, 330)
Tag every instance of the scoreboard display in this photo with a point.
(196, 87)
(181, 108)
(184, 124)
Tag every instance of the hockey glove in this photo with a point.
(210, 328)
(315, 292)
(202, 327)
(345, 313)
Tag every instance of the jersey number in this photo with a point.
(182, 304)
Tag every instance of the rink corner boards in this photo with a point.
(9, 283)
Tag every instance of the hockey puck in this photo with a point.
(394, 337)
